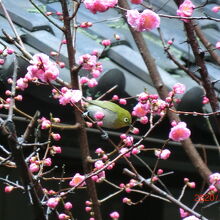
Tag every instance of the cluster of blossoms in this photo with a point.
(186, 9)
(90, 62)
(41, 68)
(4, 53)
(35, 164)
(99, 5)
(132, 183)
(148, 104)
(67, 96)
(144, 21)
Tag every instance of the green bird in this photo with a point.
(115, 117)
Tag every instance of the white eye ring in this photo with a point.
(126, 120)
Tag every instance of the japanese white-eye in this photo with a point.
(115, 117)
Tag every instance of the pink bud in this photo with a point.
(159, 172)
(99, 115)
(192, 185)
(88, 203)
(59, 13)
(34, 167)
(8, 92)
(2, 61)
(61, 64)
(53, 54)
(99, 151)
(144, 120)
(48, 13)
(115, 97)
(48, 162)
(19, 97)
(9, 80)
(114, 215)
(8, 189)
(135, 130)
(68, 205)
(106, 43)
(53, 202)
(56, 136)
(64, 42)
(186, 180)
(63, 216)
(170, 42)
(89, 124)
(100, 123)
(216, 9)
(126, 200)
(122, 101)
(122, 185)
(10, 51)
(123, 136)
(155, 178)
(88, 209)
(205, 100)
(117, 37)
(135, 151)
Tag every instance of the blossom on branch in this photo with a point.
(42, 68)
(186, 10)
(179, 132)
(145, 21)
(99, 5)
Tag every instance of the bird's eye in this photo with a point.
(126, 120)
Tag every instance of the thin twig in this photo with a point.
(11, 24)
(13, 90)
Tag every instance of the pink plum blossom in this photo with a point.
(53, 202)
(214, 178)
(99, 164)
(186, 9)
(145, 21)
(179, 132)
(179, 88)
(70, 96)
(92, 83)
(99, 5)
(140, 110)
(77, 179)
